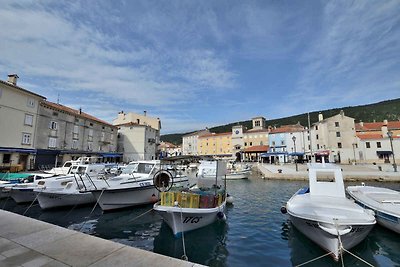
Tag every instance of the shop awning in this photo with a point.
(269, 154)
(299, 154)
(385, 152)
(322, 153)
(111, 155)
(17, 150)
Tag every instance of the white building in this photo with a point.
(190, 142)
(168, 149)
(334, 138)
(18, 123)
(374, 144)
(138, 136)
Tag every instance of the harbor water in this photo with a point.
(255, 233)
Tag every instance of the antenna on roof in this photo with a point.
(58, 98)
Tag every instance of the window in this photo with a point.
(6, 158)
(339, 145)
(273, 143)
(53, 125)
(316, 137)
(90, 145)
(378, 144)
(282, 143)
(251, 143)
(74, 144)
(257, 123)
(261, 143)
(317, 146)
(26, 138)
(76, 129)
(245, 143)
(28, 119)
(52, 142)
(90, 132)
(336, 124)
(31, 102)
(337, 134)
(368, 145)
(316, 127)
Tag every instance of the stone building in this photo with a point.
(215, 144)
(189, 142)
(18, 125)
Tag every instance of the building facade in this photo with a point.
(378, 142)
(18, 125)
(138, 136)
(65, 133)
(215, 144)
(334, 138)
(190, 142)
(168, 149)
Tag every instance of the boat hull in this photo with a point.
(237, 176)
(49, 200)
(390, 220)
(110, 199)
(188, 219)
(328, 241)
(23, 195)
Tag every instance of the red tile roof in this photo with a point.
(369, 136)
(376, 126)
(257, 131)
(256, 149)
(288, 129)
(73, 112)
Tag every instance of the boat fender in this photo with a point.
(221, 216)
(229, 199)
(283, 210)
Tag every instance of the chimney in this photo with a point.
(385, 122)
(361, 123)
(341, 113)
(145, 113)
(80, 110)
(320, 117)
(12, 78)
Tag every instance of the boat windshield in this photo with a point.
(140, 167)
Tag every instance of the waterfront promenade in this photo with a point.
(28, 242)
(360, 172)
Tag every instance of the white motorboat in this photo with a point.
(65, 169)
(383, 201)
(199, 206)
(324, 214)
(135, 185)
(69, 190)
(238, 172)
(23, 192)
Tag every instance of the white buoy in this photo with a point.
(229, 199)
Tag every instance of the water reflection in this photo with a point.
(206, 245)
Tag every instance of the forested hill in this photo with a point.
(389, 110)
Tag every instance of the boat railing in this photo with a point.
(192, 200)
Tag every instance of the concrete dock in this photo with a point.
(28, 242)
(360, 172)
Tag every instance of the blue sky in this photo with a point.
(197, 64)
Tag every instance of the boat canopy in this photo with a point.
(384, 152)
(269, 154)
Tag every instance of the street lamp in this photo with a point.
(294, 145)
(390, 135)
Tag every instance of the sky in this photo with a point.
(197, 64)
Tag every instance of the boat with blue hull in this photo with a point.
(383, 201)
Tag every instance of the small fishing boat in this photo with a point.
(135, 185)
(198, 206)
(383, 201)
(324, 214)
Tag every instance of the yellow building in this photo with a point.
(215, 144)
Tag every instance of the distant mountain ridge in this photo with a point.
(384, 110)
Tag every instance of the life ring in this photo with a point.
(163, 180)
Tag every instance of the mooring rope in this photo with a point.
(102, 191)
(317, 258)
(131, 220)
(184, 256)
(37, 195)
